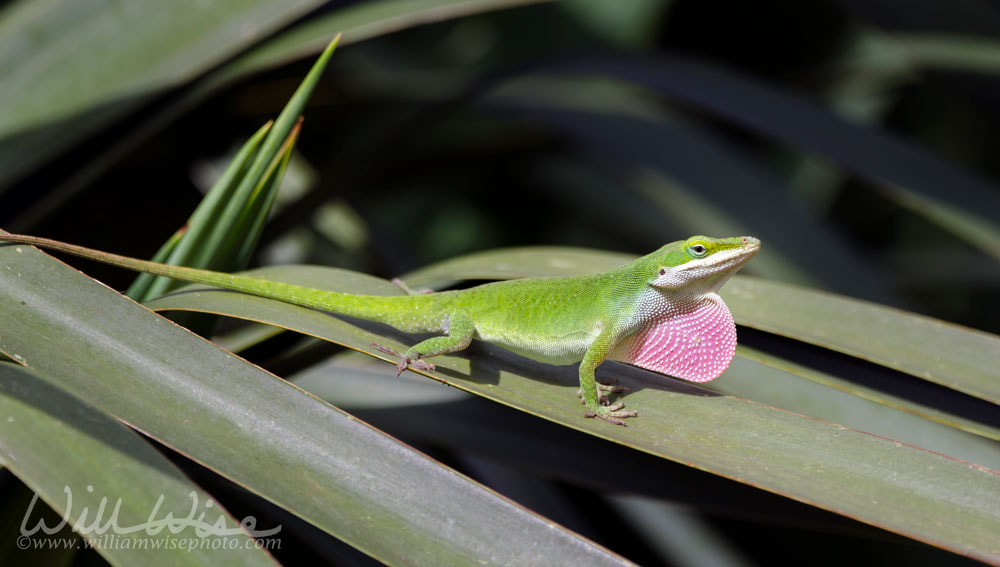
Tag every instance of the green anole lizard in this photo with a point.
(661, 312)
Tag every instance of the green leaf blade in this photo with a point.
(947, 354)
(224, 240)
(74, 457)
(187, 247)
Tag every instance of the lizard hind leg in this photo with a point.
(460, 332)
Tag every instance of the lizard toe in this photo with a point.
(423, 365)
(613, 414)
(611, 387)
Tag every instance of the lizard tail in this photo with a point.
(382, 309)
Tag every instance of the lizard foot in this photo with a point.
(404, 361)
(612, 414)
(605, 387)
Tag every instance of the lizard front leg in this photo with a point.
(594, 394)
(461, 329)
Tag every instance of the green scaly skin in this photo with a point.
(561, 320)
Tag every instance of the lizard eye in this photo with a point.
(663, 271)
(698, 250)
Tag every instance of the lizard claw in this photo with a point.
(612, 414)
(422, 365)
(404, 362)
(402, 359)
(611, 385)
(385, 349)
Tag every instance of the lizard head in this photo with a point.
(700, 262)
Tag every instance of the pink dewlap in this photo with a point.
(695, 345)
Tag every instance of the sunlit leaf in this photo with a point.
(74, 456)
